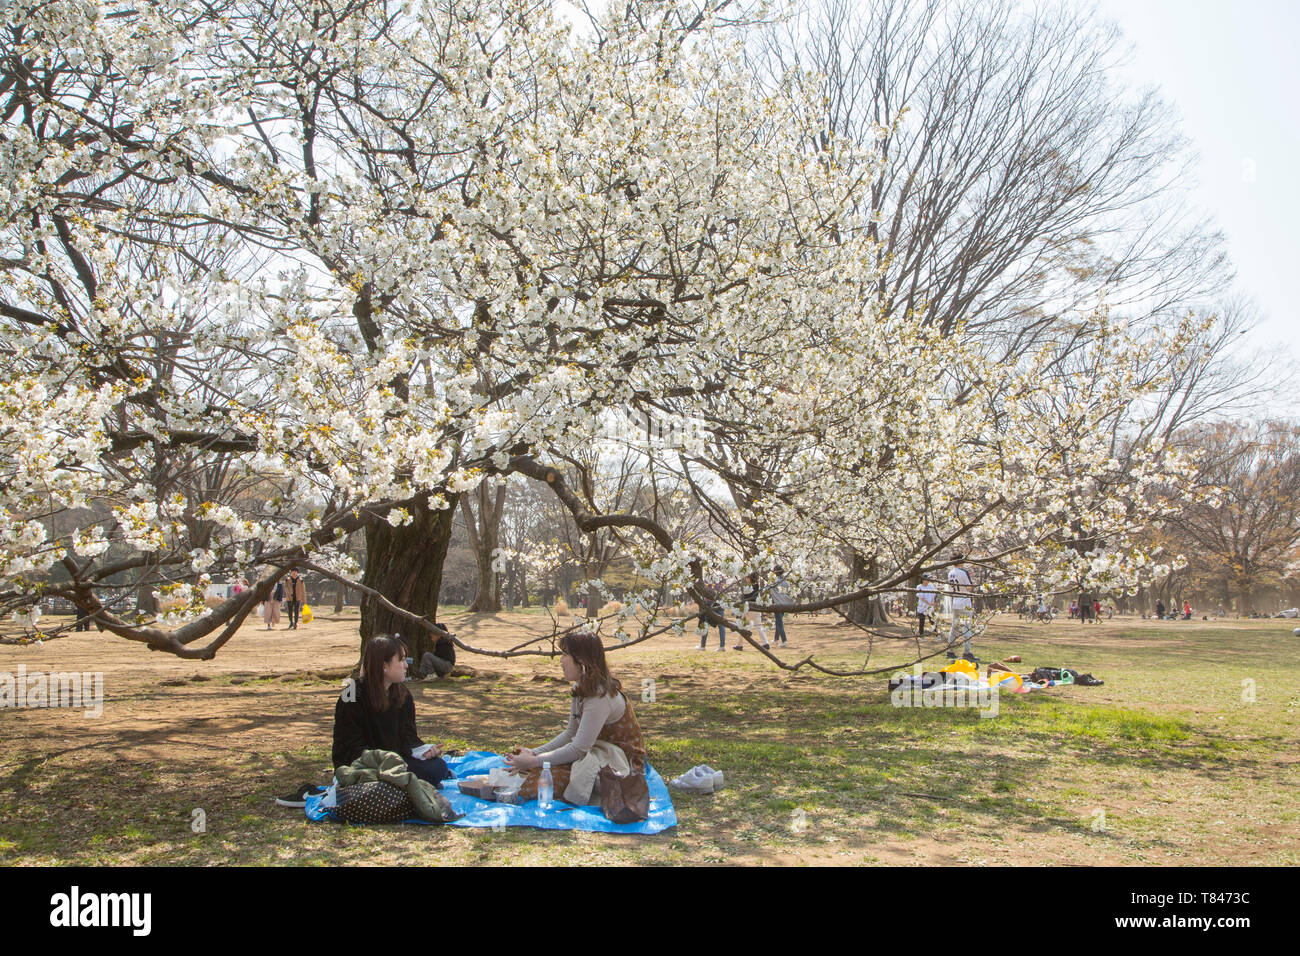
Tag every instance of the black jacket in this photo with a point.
(445, 649)
(358, 727)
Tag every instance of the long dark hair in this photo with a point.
(586, 650)
(379, 650)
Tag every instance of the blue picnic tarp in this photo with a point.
(561, 816)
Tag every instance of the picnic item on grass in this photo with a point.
(962, 666)
(699, 779)
(298, 798)
(373, 802)
(387, 767)
(1056, 676)
(624, 798)
(493, 785)
(480, 787)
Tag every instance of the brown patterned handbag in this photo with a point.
(624, 799)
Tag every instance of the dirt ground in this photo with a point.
(266, 702)
(163, 708)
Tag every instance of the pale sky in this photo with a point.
(1231, 68)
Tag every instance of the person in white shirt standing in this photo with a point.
(963, 610)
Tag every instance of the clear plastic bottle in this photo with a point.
(545, 788)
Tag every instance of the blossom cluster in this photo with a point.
(298, 265)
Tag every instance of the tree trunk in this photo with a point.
(338, 598)
(523, 586)
(487, 599)
(869, 612)
(566, 577)
(484, 539)
(145, 602)
(405, 565)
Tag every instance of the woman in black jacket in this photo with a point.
(376, 712)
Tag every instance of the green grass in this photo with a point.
(1182, 766)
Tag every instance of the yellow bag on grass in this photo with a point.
(960, 666)
(1005, 679)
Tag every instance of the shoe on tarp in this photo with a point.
(299, 797)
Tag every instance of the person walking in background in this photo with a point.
(963, 608)
(926, 597)
(713, 592)
(297, 595)
(780, 596)
(750, 596)
(271, 606)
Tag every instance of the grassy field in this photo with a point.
(1187, 755)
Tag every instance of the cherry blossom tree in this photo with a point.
(358, 257)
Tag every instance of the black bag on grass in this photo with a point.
(1052, 673)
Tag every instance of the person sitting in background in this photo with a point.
(439, 661)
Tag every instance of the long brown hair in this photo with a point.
(379, 650)
(586, 650)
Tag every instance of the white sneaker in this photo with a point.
(715, 774)
(693, 781)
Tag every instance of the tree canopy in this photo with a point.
(274, 272)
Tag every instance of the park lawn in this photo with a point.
(1170, 762)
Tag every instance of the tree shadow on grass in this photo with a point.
(860, 770)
